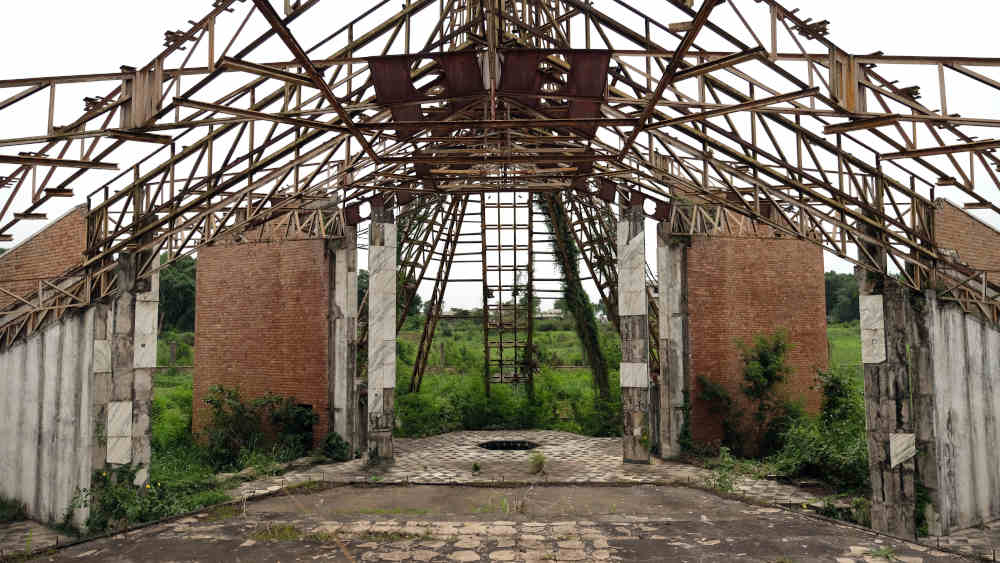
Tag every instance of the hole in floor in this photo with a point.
(509, 445)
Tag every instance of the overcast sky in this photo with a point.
(52, 37)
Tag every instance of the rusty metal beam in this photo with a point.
(56, 162)
(670, 73)
(312, 72)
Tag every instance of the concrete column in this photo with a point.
(634, 328)
(344, 335)
(381, 334)
(887, 321)
(133, 332)
(671, 262)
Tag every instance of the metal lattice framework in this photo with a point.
(726, 116)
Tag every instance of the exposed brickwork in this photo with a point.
(738, 288)
(976, 242)
(50, 253)
(261, 323)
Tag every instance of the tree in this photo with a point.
(416, 305)
(842, 301)
(560, 305)
(177, 294)
(2, 250)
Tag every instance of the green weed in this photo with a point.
(276, 532)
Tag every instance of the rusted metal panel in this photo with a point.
(588, 77)
(463, 76)
(522, 75)
(394, 88)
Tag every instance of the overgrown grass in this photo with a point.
(453, 396)
(845, 346)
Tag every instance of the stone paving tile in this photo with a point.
(571, 458)
(984, 541)
(26, 535)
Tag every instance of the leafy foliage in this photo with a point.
(115, 503)
(336, 448)
(764, 367)
(453, 399)
(576, 300)
(832, 445)
(177, 299)
(842, 301)
(236, 429)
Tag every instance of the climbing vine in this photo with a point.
(568, 261)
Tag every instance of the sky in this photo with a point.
(53, 37)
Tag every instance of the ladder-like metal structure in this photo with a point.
(507, 231)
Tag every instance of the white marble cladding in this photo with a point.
(102, 356)
(146, 312)
(634, 374)
(381, 316)
(631, 272)
(872, 330)
(119, 432)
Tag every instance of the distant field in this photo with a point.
(845, 344)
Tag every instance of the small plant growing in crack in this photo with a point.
(475, 468)
(888, 553)
(538, 463)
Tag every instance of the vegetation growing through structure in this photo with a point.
(830, 446)
(575, 299)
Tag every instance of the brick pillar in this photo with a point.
(381, 334)
(634, 328)
(671, 262)
(125, 420)
(887, 321)
(343, 345)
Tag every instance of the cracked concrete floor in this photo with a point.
(456, 523)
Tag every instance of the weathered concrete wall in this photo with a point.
(261, 323)
(343, 343)
(46, 390)
(965, 417)
(381, 335)
(634, 328)
(671, 257)
(51, 252)
(738, 288)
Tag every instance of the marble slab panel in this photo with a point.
(119, 419)
(902, 448)
(634, 375)
(873, 349)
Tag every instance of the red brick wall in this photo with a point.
(261, 324)
(977, 244)
(51, 252)
(738, 288)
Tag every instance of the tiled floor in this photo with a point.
(569, 458)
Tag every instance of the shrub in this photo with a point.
(830, 446)
(236, 431)
(764, 367)
(336, 448)
(293, 424)
(115, 502)
(722, 404)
